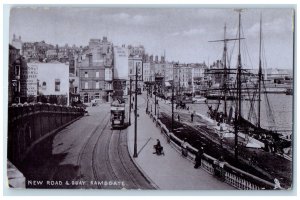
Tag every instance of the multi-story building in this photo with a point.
(36, 50)
(147, 72)
(136, 55)
(120, 72)
(16, 65)
(169, 71)
(49, 81)
(136, 50)
(135, 65)
(96, 71)
(199, 82)
(183, 78)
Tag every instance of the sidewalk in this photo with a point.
(171, 171)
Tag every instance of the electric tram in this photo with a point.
(117, 111)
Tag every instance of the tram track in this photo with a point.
(102, 166)
(104, 159)
(85, 150)
(115, 164)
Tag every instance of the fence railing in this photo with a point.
(28, 124)
(222, 170)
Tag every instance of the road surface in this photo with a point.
(86, 154)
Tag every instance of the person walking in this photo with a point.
(184, 145)
(178, 117)
(192, 117)
(198, 158)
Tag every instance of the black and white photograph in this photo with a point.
(151, 97)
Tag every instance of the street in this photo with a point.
(87, 154)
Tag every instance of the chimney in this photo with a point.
(151, 58)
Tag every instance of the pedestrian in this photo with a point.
(198, 158)
(192, 117)
(184, 145)
(131, 105)
(178, 117)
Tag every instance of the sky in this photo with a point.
(182, 33)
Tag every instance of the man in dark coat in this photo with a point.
(198, 158)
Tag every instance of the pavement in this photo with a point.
(170, 171)
(269, 164)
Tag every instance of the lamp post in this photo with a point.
(135, 117)
(155, 99)
(130, 83)
(147, 109)
(172, 101)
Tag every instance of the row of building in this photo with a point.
(99, 71)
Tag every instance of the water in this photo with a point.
(281, 106)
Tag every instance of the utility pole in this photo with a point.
(155, 99)
(179, 79)
(135, 115)
(130, 83)
(147, 109)
(173, 102)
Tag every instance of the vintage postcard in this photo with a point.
(150, 98)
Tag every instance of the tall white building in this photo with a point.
(51, 79)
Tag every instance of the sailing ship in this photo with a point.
(256, 135)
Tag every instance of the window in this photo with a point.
(86, 75)
(44, 85)
(108, 74)
(97, 85)
(57, 85)
(90, 60)
(17, 70)
(86, 85)
(97, 74)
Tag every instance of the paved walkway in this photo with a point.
(171, 171)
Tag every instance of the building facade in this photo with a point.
(199, 80)
(95, 71)
(120, 72)
(16, 66)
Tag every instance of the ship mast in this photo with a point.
(225, 72)
(238, 110)
(259, 72)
